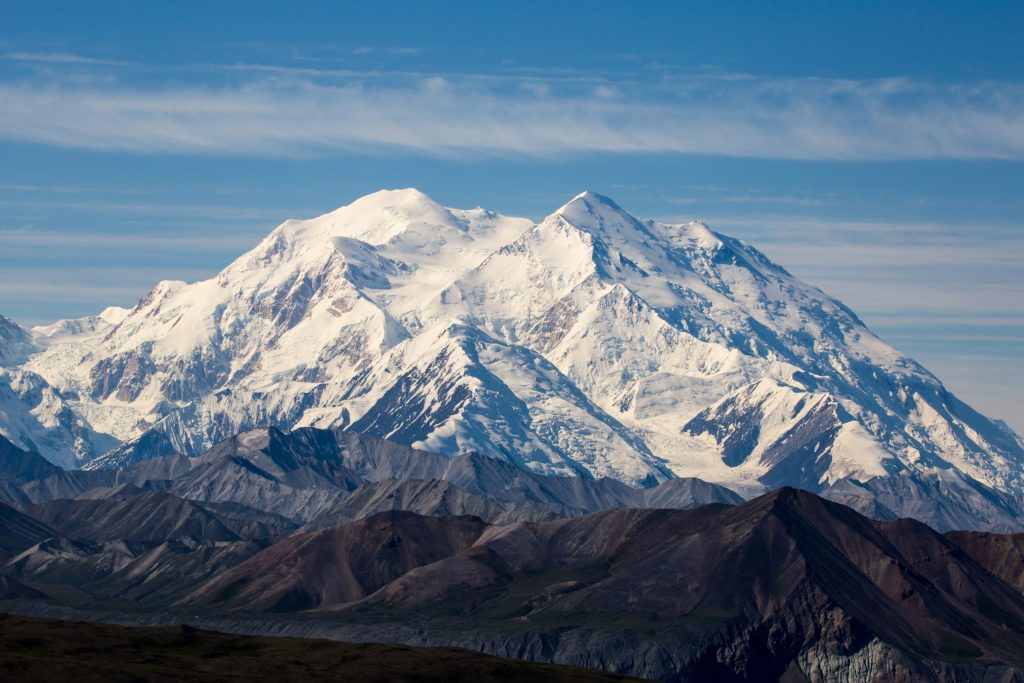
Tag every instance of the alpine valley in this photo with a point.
(590, 344)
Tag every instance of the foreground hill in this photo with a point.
(48, 650)
(591, 343)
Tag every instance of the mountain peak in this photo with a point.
(377, 218)
(390, 208)
(591, 203)
(602, 217)
(406, 196)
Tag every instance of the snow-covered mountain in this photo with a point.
(35, 415)
(591, 343)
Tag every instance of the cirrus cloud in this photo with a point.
(296, 114)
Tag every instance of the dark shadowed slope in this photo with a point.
(786, 580)
(435, 498)
(150, 516)
(507, 483)
(19, 531)
(339, 564)
(19, 466)
(129, 513)
(155, 473)
(685, 493)
(151, 444)
(1001, 554)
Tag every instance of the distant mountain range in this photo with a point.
(312, 477)
(589, 344)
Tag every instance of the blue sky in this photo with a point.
(875, 149)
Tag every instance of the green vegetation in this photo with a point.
(47, 650)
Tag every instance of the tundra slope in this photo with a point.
(591, 343)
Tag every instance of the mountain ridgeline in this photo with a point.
(312, 477)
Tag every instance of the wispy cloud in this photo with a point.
(289, 112)
(30, 241)
(64, 58)
(218, 213)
